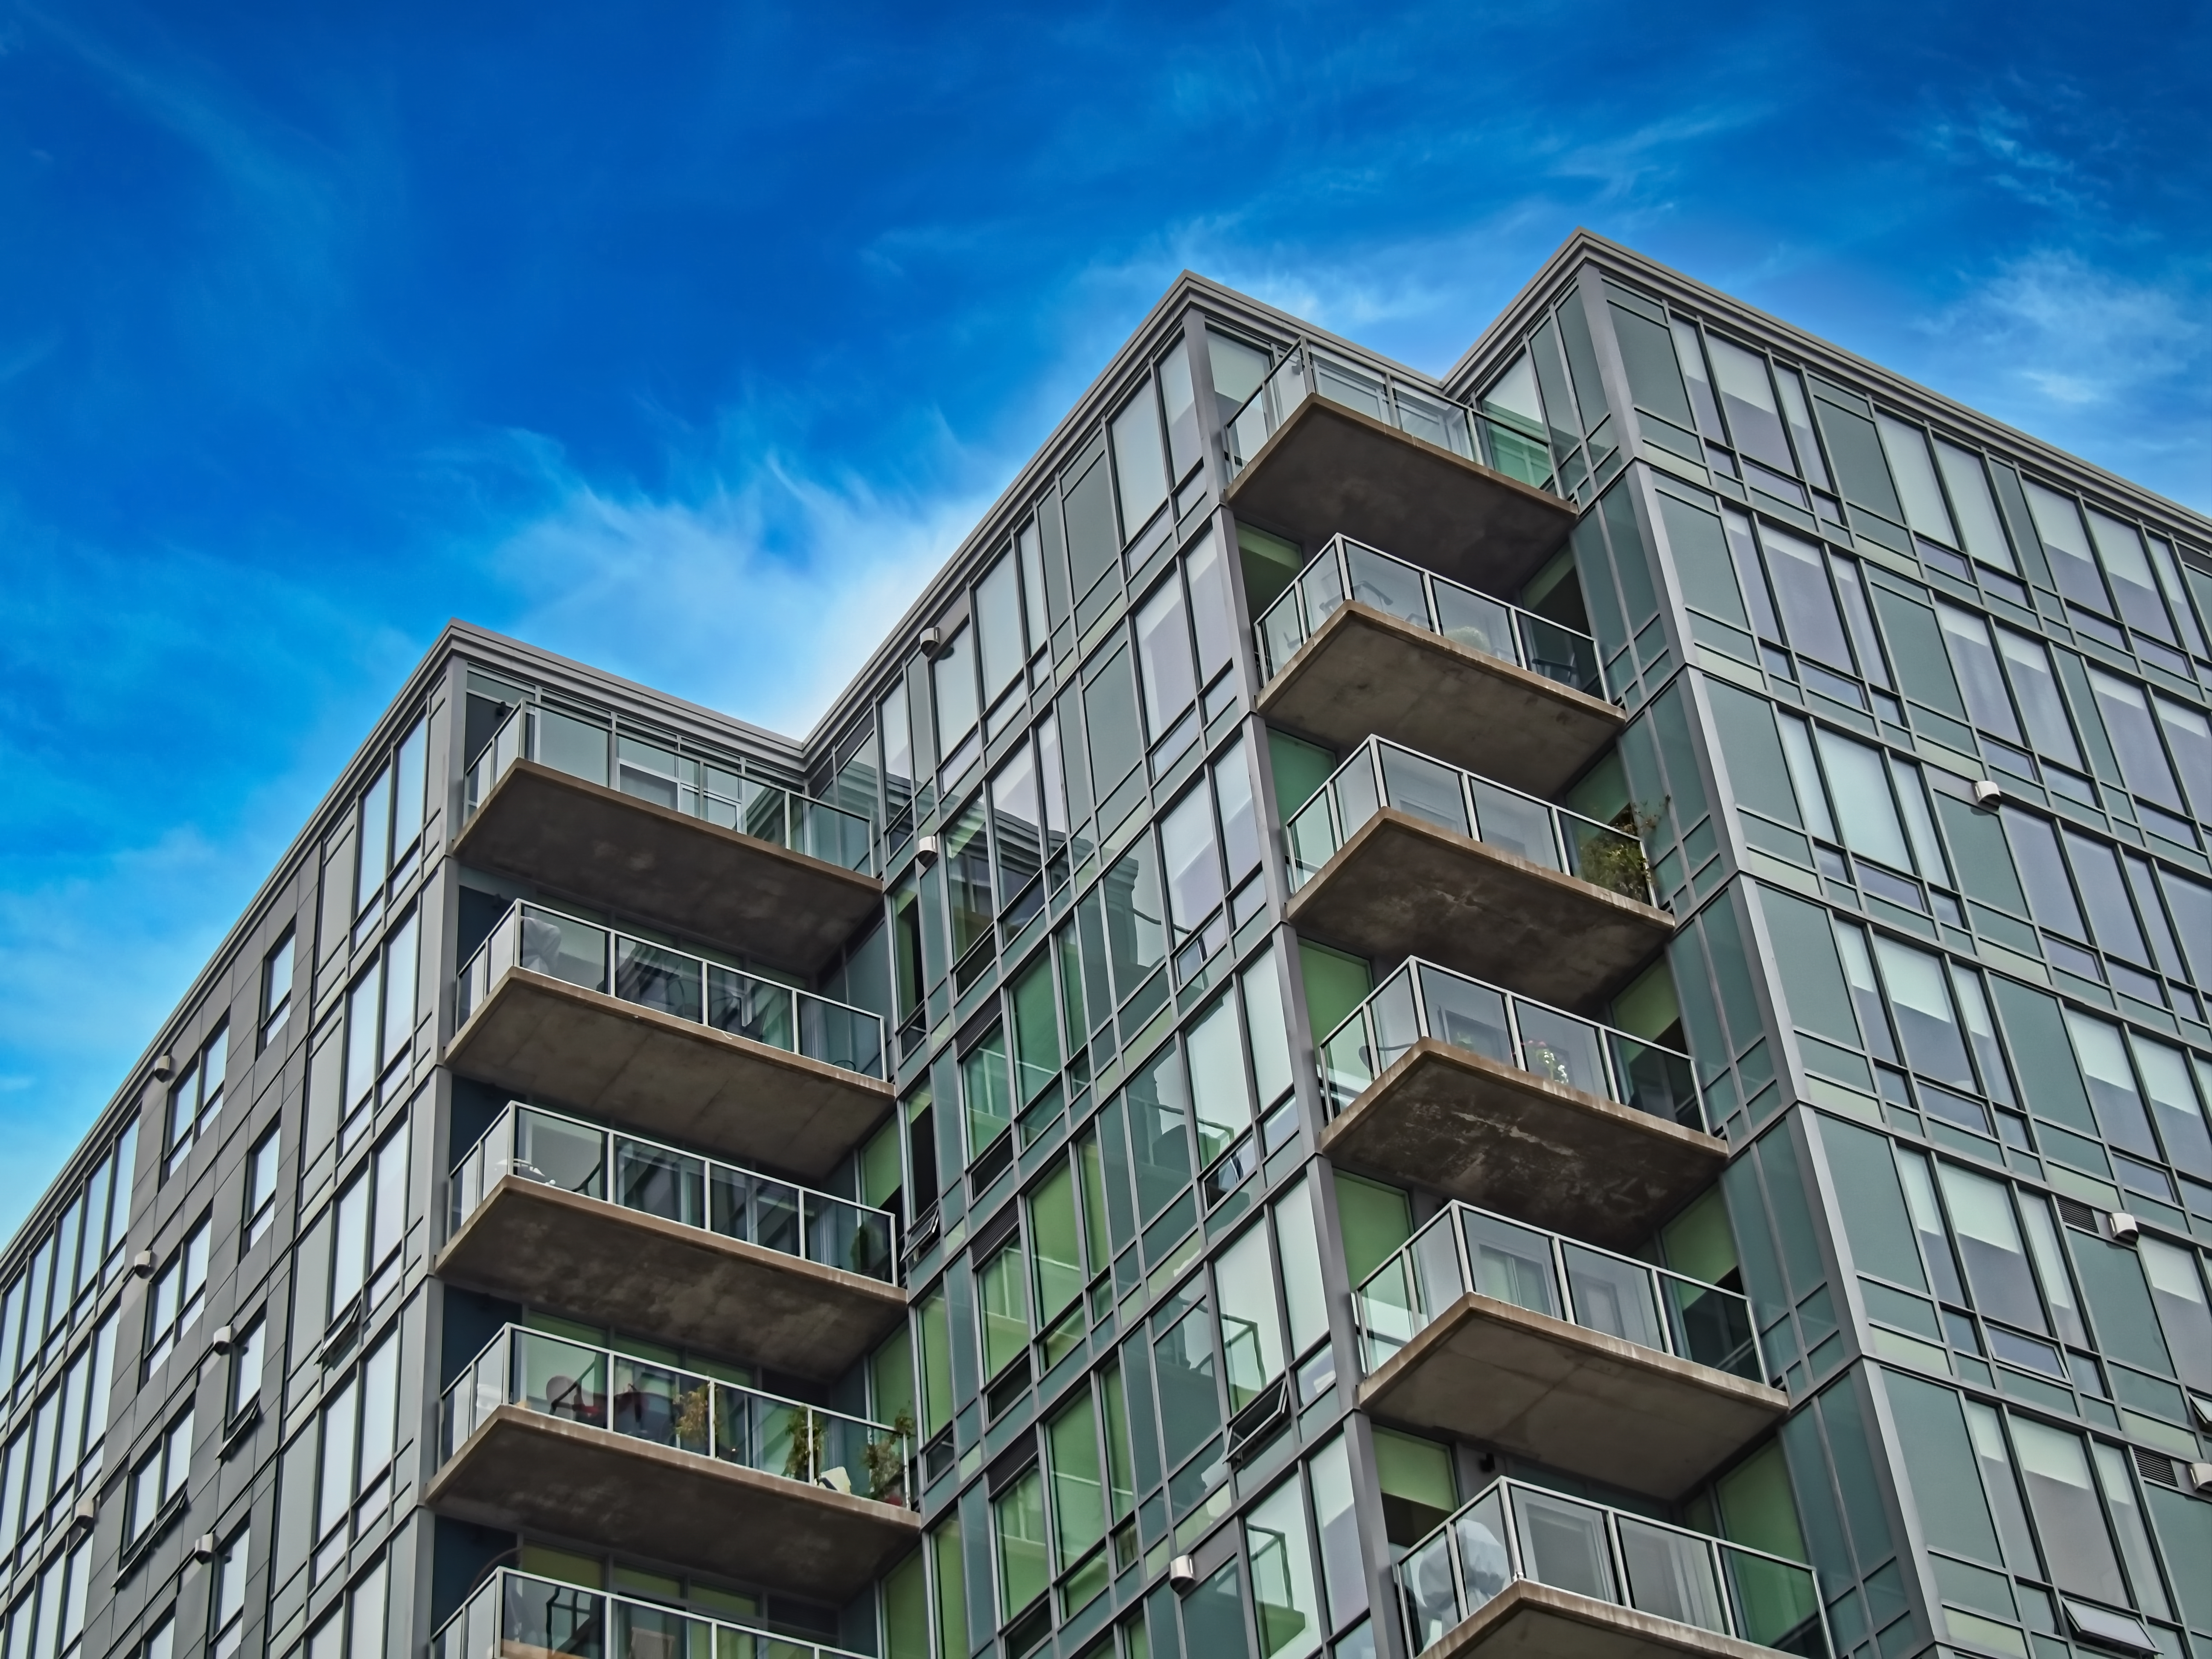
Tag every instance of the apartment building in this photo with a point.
(1555, 1011)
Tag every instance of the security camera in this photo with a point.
(1183, 1574)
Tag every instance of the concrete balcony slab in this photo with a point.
(1366, 673)
(524, 1471)
(621, 1267)
(1576, 1399)
(1462, 1125)
(1328, 468)
(612, 850)
(1529, 1620)
(1402, 886)
(671, 1079)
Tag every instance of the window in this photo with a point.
(247, 1353)
(276, 990)
(196, 1097)
(379, 1028)
(60, 1448)
(2063, 1499)
(179, 1293)
(360, 1424)
(1018, 1518)
(1140, 466)
(261, 1185)
(952, 680)
(160, 1477)
(1278, 1539)
(1164, 663)
(354, 1629)
(371, 1221)
(227, 1595)
(392, 811)
(162, 1640)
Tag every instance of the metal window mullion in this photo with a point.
(1566, 1285)
(1621, 1595)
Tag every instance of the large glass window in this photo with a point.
(1748, 397)
(1140, 472)
(2063, 1497)
(179, 1295)
(196, 1099)
(1278, 1539)
(1164, 658)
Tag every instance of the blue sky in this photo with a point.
(686, 340)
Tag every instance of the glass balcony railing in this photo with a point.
(695, 788)
(1381, 773)
(651, 975)
(1509, 447)
(691, 1191)
(1347, 570)
(518, 1615)
(1514, 1530)
(603, 1389)
(1424, 1001)
(1463, 1249)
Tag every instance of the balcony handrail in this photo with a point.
(731, 1200)
(1422, 999)
(659, 976)
(1381, 773)
(457, 1637)
(692, 1415)
(1548, 1273)
(1366, 575)
(773, 813)
(1513, 1530)
(1307, 370)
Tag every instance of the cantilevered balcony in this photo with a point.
(667, 837)
(628, 1232)
(550, 1436)
(1325, 446)
(1485, 1329)
(1538, 1575)
(1400, 856)
(1441, 1082)
(667, 1043)
(1362, 644)
(518, 1615)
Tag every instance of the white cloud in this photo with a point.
(2077, 336)
(695, 593)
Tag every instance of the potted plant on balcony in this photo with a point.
(886, 1461)
(1617, 862)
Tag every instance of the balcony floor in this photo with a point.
(1529, 1620)
(1574, 1398)
(1402, 886)
(1329, 468)
(1455, 1123)
(638, 1069)
(522, 1470)
(1365, 672)
(631, 856)
(621, 1267)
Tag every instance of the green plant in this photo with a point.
(1617, 861)
(692, 1408)
(809, 1442)
(886, 1460)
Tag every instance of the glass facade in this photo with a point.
(1284, 1074)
